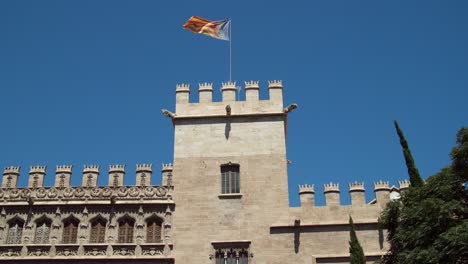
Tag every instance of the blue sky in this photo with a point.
(83, 82)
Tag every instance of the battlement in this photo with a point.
(37, 169)
(12, 170)
(230, 95)
(331, 187)
(90, 174)
(356, 186)
(404, 184)
(63, 169)
(306, 188)
(356, 192)
(381, 185)
(144, 167)
(116, 168)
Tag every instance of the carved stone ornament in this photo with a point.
(151, 252)
(10, 252)
(96, 191)
(133, 192)
(95, 252)
(1, 193)
(52, 193)
(25, 193)
(67, 252)
(79, 192)
(41, 193)
(149, 191)
(124, 252)
(161, 191)
(122, 191)
(106, 192)
(38, 252)
(14, 193)
(68, 192)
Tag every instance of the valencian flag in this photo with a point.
(215, 29)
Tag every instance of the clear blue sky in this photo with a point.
(83, 82)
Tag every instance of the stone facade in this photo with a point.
(223, 200)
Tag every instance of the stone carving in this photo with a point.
(52, 193)
(10, 252)
(106, 192)
(151, 252)
(79, 192)
(122, 191)
(65, 252)
(14, 193)
(95, 252)
(149, 191)
(1, 193)
(68, 192)
(124, 252)
(133, 192)
(41, 193)
(38, 252)
(160, 191)
(96, 191)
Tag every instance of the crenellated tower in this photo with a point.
(229, 168)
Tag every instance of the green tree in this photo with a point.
(355, 250)
(429, 224)
(415, 178)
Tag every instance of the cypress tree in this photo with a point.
(415, 178)
(355, 250)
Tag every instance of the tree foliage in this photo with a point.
(430, 224)
(415, 178)
(355, 250)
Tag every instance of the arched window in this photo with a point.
(15, 231)
(70, 230)
(126, 225)
(42, 231)
(98, 230)
(230, 178)
(153, 230)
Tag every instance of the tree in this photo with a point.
(415, 178)
(429, 224)
(355, 250)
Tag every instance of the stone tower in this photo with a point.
(230, 172)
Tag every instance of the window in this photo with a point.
(70, 230)
(230, 178)
(153, 230)
(126, 230)
(15, 231)
(98, 230)
(42, 231)
(231, 256)
(231, 252)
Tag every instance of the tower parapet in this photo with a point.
(166, 174)
(229, 91)
(332, 193)
(10, 176)
(36, 176)
(90, 175)
(404, 184)
(252, 91)
(307, 194)
(275, 89)
(357, 193)
(182, 94)
(205, 92)
(116, 175)
(382, 192)
(143, 174)
(62, 175)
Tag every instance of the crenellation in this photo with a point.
(307, 194)
(166, 174)
(62, 175)
(357, 193)
(404, 184)
(275, 89)
(382, 192)
(38, 169)
(143, 174)
(205, 92)
(36, 176)
(332, 193)
(12, 170)
(182, 94)
(252, 89)
(116, 175)
(228, 91)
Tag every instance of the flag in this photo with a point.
(215, 29)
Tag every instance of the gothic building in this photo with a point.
(223, 201)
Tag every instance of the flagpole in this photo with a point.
(230, 50)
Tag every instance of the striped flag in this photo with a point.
(215, 29)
